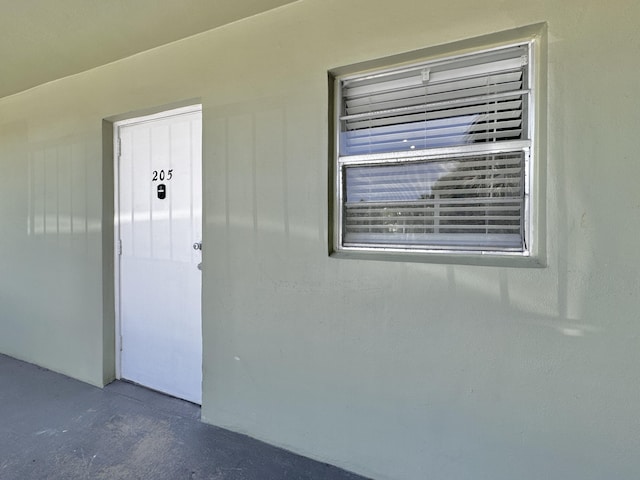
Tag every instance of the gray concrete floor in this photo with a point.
(54, 427)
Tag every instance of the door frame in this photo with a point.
(117, 246)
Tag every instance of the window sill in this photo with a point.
(493, 259)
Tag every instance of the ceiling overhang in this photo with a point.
(43, 40)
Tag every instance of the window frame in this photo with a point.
(532, 253)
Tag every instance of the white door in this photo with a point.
(159, 220)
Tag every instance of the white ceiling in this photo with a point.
(42, 40)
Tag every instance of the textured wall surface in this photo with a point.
(390, 369)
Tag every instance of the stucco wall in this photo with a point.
(394, 370)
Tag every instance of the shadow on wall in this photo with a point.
(62, 198)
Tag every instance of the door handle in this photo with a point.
(197, 246)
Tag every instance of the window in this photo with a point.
(436, 157)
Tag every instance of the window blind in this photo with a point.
(461, 102)
(456, 203)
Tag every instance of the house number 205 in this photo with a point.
(161, 175)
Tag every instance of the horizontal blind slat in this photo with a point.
(399, 176)
(417, 128)
(511, 78)
(448, 241)
(429, 219)
(449, 201)
(424, 96)
(482, 103)
(354, 210)
(437, 132)
(473, 111)
(417, 78)
(447, 228)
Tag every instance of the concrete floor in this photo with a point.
(54, 427)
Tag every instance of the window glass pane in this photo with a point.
(460, 203)
(499, 120)
(437, 106)
(449, 195)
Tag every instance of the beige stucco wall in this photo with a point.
(390, 369)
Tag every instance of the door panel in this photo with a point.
(160, 219)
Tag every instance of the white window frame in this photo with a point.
(532, 253)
